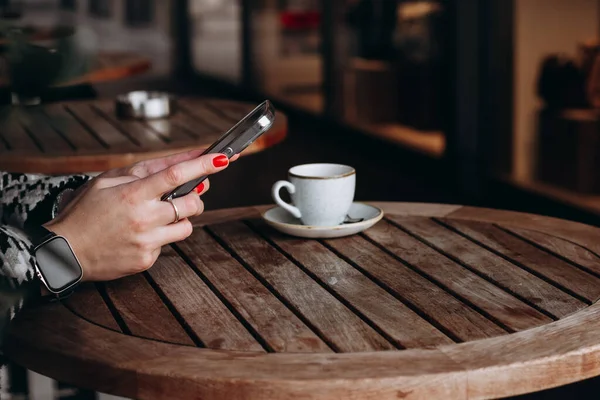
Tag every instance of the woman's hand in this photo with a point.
(118, 224)
(140, 169)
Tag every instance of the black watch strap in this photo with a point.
(39, 234)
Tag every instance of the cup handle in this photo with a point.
(288, 207)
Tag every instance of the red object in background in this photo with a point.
(300, 20)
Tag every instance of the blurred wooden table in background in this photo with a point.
(86, 136)
(106, 66)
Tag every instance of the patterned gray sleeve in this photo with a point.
(25, 200)
(30, 198)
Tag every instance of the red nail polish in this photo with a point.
(200, 188)
(220, 161)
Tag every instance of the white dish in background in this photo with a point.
(284, 222)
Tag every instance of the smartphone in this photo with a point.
(233, 142)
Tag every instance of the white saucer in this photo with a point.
(284, 222)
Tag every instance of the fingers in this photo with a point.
(187, 206)
(103, 183)
(173, 232)
(149, 167)
(168, 179)
(203, 187)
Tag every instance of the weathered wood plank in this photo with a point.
(99, 126)
(205, 115)
(66, 124)
(487, 297)
(345, 331)
(89, 304)
(564, 248)
(16, 137)
(202, 310)
(459, 320)
(169, 130)
(183, 120)
(144, 312)
(233, 114)
(490, 265)
(277, 325)
(34, 122)
(405, 327)
(146, 137)
(554, 269)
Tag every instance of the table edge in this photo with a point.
(468, 370)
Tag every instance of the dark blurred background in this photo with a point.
(491, 103)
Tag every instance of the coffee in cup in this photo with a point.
(321, 194)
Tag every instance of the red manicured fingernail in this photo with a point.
(200, 188)
(220, 161)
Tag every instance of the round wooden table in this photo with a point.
(433, 302)
(86, 136)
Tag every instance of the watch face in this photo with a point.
(57, 264)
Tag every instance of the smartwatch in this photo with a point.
(56, 264)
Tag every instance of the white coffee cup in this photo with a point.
(321, 193)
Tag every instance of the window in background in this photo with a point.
(392, 66)
(556, 125)
(68, 4)
(11, 9)
(287, 59)
(215, 27)
(139, 12)
(100, 8)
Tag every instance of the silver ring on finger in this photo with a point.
(176, 211)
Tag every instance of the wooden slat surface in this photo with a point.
(568, 250)
(343, 330)
(169, 131)
(206, 115)
(277, 325)
(142, 134)
(201, 309)
(89, 304)
(104, 130)
(143, 311)
(504, 273)
(507, 310)
(189, 127)
(75, 133)
(403, 325)
(16, 137)
(34, 122)
(415, 283)
(245, 291)
(457, 319)
(554, 269)
(193, 124)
